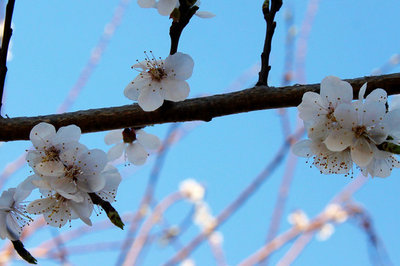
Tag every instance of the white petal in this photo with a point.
(335, 91)
(311, 106)
(113, 137)
(346, 115)
(146, 3)
(13, 228)
(66, 134)
(373, 113)
(42, 134)
(204, 14)
(115, 152)
(361, 92)
(3, 229)
(150, 99)
(7, 199)
(339, 139)
(148, 141)
(361, 152)
(83, 210)
(175, 90)
(393, 128)
(50, 168)
(179, 66)
(136, 154)
(91, 183)
(92, 162)
(58, 217)
(25, 188)
(135, 87)
(165, 7)
(377, 95)
(40, 206)
(70, 155)
(302, 148)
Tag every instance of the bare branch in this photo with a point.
(4, 46)
(203, 108)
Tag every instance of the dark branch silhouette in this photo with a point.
(4, 47)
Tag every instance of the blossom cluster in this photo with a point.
(66, 172)
(342, 131)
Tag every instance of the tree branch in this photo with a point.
(269, 16)
(203, 108)
(4, 47)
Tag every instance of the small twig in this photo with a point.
(4, 47)
(181, 18)
(269, 16)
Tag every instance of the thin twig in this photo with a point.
(269, 16)
(203, 108)
(181, 18)
(4, 47)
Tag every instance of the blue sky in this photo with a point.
(52, 42)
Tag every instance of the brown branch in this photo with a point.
(204, 108)
(269, 16)
(4, 46)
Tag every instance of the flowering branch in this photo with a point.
(181, 18)
(202, 108)
(4, 47)
(269, 16)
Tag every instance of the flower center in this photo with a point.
(129, 135)
(330, 115)
(359, 131)
(51, 154)
(72, 171)
(157, 73)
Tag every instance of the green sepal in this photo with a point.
(19, 247)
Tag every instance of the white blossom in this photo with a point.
(134, 144)
(325, 232)
(192, 190)
(48, 143)
(336, 213)
(299, 219)
(112, 180)
(160, 80)
(77, 170)
(203, 217)
(58, 210)
(360, 129)
(165, 7)
(13, 216)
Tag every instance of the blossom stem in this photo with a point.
(183, 16)
(108, 208)
(4, 47)
(202, 108)
(19, 247)
(269, 16)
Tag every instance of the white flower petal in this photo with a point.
(302, 148)
(42, 134)
(148, 141)
(40, 206)
(136, 154)
(115, 152)
(113, 137)
(13, 228)
(361, 92)
(83, 210)
(346, 115)
(150, 99)
(373, 113)
(204, 14)
(335, 91)
(377, 95)
(135, 87)
(175, 90)
(92, 162)
(339, 139)
(179, 66)
(146, 3)
(165, 7)
(67, 134)
(361, 152)
(311, 106)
